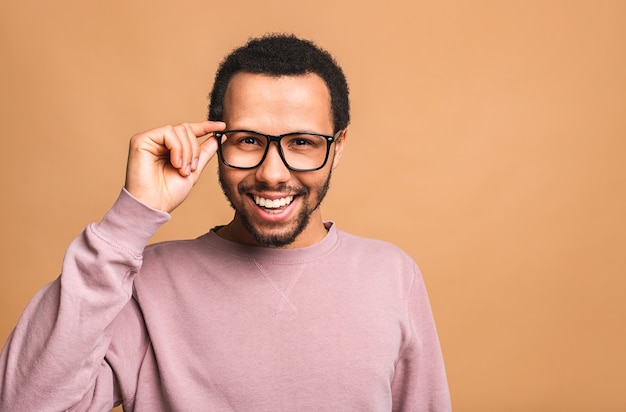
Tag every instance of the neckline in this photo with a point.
(274, 255)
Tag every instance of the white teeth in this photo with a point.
(272, 204)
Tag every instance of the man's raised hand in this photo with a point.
(164, 163)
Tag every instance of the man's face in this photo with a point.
(275, 206)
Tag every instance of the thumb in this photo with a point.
(208, 148)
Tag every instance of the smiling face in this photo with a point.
(274, 206)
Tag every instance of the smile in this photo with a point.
(272, 203)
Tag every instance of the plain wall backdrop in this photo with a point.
(488, 140)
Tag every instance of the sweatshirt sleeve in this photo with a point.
(54, 358)
(419, 382)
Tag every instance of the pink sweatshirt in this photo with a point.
(212, 325)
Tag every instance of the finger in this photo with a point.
(166, 143)
(207, 151)
(178, 144)
(169, 137)
(195, 149)
(186, 151)
(200, 129)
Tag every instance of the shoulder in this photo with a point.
(180, 248)
(172, 256)
(169, 249)
(378, 258)
(374, 248)
(378, 264)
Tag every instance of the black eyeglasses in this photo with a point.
(299, 151)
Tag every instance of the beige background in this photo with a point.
(488, 141)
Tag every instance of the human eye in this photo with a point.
(246, 140)
(303, 141)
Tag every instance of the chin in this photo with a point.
(276, 237)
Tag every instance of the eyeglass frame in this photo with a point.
(330, 139)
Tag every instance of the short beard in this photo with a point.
(276, 240)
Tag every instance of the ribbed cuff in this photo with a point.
(130, 224)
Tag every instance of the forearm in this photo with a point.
(55, 355)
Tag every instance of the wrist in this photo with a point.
(130, 223)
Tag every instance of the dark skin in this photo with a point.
(165, 163)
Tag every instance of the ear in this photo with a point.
(340, 145)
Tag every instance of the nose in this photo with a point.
(273, 170)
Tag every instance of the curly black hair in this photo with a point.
(283, 55)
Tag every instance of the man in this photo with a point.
(277, 310)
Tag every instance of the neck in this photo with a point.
(314, 232)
